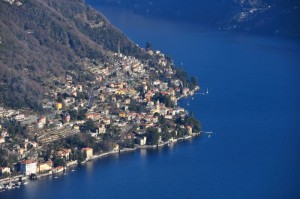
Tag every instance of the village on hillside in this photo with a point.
(128, 104)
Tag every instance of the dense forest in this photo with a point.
(41, 39)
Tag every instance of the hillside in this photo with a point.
(41, 39)
(257, 16)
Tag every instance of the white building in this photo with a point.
(101, 129)
(28, 167)
(142, 141)
(4, 170)
(2, 140)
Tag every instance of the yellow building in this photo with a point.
(132, 91)
(122, 114)
(157, 107)
(121, 85)
(88, 152)
(45, 166)
(120, 92)
(76, 127)
(21, 151)
(116, 148)
(189, 130)
(58, 106)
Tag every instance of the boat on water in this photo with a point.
(25, 182)
(206, 90)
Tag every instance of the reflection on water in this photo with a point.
(89, 166)
(143, 153)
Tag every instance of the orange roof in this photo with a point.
(63, 152)
(59, 168)
(86, 149)
(28, 161)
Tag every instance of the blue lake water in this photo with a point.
(253, 108)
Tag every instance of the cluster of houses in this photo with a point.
(111, 105)
(32, 166)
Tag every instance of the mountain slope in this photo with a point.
(41, 39)
(258, 16)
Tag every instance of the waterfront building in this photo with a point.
(142, 140)
(28, 167)
(189, 130)
(88, 152)
(45, 166)
(4, 170)
(116, 148)
(58, 169)
(65, 153)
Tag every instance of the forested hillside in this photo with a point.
(40, 39)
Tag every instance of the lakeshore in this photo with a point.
(16, 181)
(101, 117)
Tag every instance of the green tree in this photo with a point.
(165, 99)
(148, 46)
(57, 161)
(73, 114)
(162, 120)
(194, 81)
(165, 136)
(181, 132)
(75, 141)
(47, 154)
(156, 114)
(89, 125)
(82, 114)
(152, 136)
(78, 155)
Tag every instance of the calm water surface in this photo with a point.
(253, 108)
